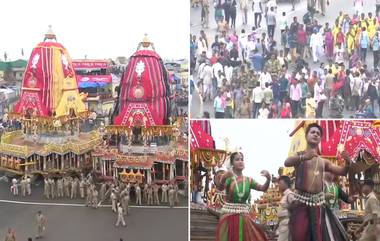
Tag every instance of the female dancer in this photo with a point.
(236, 224)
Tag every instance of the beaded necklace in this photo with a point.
(240, 194)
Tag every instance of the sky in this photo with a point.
(264, 143)
(96, 28)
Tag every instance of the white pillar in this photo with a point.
(44, 163)
(171, 172)
(149, 176)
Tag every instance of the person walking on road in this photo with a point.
(120, 216)
(113, 201)
(257, 11)
(271, 22)
(95, 200)
(244, 9)
(41, 224)
(233, 12)
(164, 195)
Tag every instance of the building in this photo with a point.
(94, 79)
(13, 71)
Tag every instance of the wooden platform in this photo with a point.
(202, 225)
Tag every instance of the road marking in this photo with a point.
(83, 205)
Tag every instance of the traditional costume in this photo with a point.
(236, 224)
(310, 219)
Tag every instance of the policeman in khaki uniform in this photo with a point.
(120, 216)
(52, 188)
(74, 187)
(150, 195)
(102, 193)
(164, 197)
(23, 186)
(371, 223)
(95, 200)
(171, 196)
(28, 186)
(81, 187)
(282, 231)
(60, 187)
(156, 199)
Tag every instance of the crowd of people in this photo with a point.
(95, 193)
(292, 69)
(85, 188)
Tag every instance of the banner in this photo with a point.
(90, 65)
(94, 78)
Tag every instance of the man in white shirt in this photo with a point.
(120, 215)
(282, 22)
(271, 4)
(257, 10)
(316, 43)
(28, 186)
(356, 86)
(265, 77)
(216, 68)
(244, 9)
(202, 47)
(206, 78)
(243, 42)
(228, 69)
(257, 99)
(271, 21)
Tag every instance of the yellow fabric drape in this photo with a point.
(70, 97)
(58, 78)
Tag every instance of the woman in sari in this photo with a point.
(329, 41)
(236, 223)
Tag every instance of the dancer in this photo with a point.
(236, 223)
(307, 219)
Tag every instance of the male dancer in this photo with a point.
(308, 219)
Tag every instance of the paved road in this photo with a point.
(197, 107)
(83, 224)
(76, 222)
